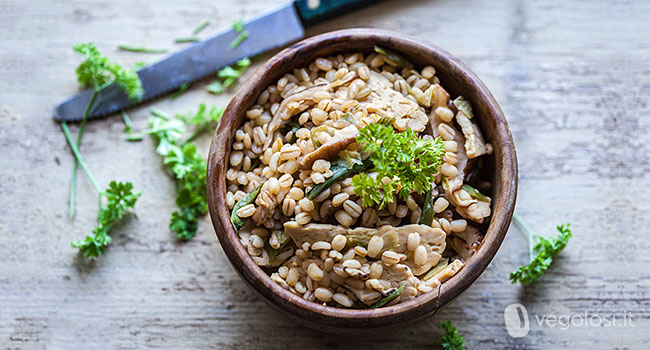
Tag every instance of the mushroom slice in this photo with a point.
(387, 102)
(461, 248)
(471, 235)
(476, 212)
(448, 271)
(433, 240)
(321, 232)
(265, 204)
(469, 209)
(264, 259)
(308, 233)
(439, 97)
(291, 105)
(339, 142)
(474, 142)
(392, 277)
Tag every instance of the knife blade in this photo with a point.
(267, 31)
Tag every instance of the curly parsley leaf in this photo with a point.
(215, 88)
(203, 115)
(98, 71)
(228, 76)
(451, 340)
(186, 163)
(546, 249)
(403, 163)
(231, 74)
(119, 197)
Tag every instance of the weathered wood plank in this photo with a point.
(572, 78)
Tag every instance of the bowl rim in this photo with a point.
(328, 316)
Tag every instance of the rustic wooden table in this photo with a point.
(571, 76)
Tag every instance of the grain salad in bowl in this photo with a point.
(355, 181)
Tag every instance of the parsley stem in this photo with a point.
(130, 136)
(158, 113)
(528, 231)
(127, 122)
(134, 137)
(198, 131)
(241, 37)
(190, 39)
(140, 49)
(79, 158)
(73, 180)
(200, 27)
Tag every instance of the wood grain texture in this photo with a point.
(571, 76)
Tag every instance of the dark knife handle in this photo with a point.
(314, 11)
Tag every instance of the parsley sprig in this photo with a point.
(404, 163)
(542, 253)
(451, 340)
(184, 160)
(98, 72)
(119, 197)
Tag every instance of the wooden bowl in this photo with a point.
(456, 78)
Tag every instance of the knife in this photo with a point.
(267, 31)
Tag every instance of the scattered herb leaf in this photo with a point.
(215, 88)
(339, 172)
(451, 340)
(185, 162)
(238, 26)
(545, 250)
(393, 58)
(294, 127)
(473, 192)
(119, 197)
(130, 136)
(249, 198)
(352, 241)
(282, 238)
(387, 299)
(228, 75)
(202, 120)
(426, 218)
